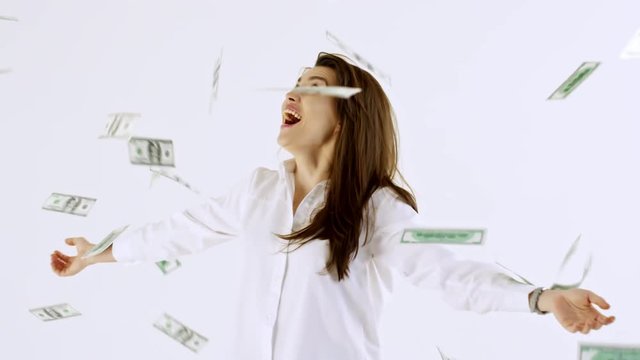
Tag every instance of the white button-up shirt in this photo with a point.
(292, 309)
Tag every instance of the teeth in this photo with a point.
(294, 113)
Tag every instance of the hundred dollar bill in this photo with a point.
(578, 76)
(359, 59)
(214, 85)
(162, 172)
(168, 266)
(54, 312)
(8, 18)
(69, 204)
(443, 356)
(180, 333)
(632, 50)
(515, 275)
(444, 236)
(342, 92)
(608, 352)
(145, 151)
(105, 243)
(571, 254)
(120, 125)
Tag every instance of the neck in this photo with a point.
(310, 170)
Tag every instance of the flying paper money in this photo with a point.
(171, 176)
(157, 152)
(180, 333)
(564, 272)
(55, 312)
(8, 18)
(515, 275)
(608, 352)
(120, 125)
(632, 50)
(69, 204)
(359, 59)
(105, 243)
(168, 266)
(444, 236)
(578, 76)
(214, 85)
(443, 356)
(342, 92)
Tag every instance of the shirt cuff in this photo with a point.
(122, 247)
(517, 298)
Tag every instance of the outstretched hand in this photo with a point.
(65, 265)
(574, 309)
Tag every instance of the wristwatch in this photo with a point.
(533, 301)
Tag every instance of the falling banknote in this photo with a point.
(342, 92)
(578, 76)
(168, 266)
(105, 243)
(443, 356)
(54, 312)
(214, 85)
(570, 263)
(180, 333)
(69, 204)
(171, 176)
(608, 352)
(444, 236)
(120, 125)
(359, 59)
(8, 18)
(156, 152)
(517, 277)
(632, 50)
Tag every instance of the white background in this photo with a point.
(480, 145)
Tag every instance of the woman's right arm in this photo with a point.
(189, 231)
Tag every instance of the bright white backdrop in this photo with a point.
(480, 145)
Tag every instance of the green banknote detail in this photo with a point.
(606, 352)
(577, 78)
(444, 236)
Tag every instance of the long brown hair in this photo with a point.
(365, 159)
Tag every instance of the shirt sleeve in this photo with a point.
(192, 230)
(464, 284)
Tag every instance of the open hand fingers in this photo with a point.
(62, 256)
(60, 263)
(57, 264)
(602, 320)
(585, 328)
(598, 300)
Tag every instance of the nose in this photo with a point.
(293, 97)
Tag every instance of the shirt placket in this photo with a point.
(296, 221)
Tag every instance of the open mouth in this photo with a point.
(291, 117)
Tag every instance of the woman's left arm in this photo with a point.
(466, 284)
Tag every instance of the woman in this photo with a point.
(322, 235)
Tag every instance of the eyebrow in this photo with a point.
(315, 78)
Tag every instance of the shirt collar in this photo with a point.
(286, 169)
